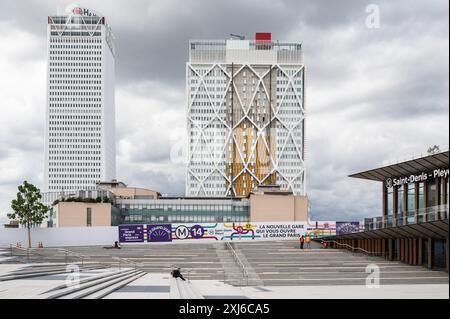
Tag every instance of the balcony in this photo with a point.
(429, 214)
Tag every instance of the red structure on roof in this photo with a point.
(263, 36)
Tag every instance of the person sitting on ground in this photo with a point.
(176, 273)
(115, 246)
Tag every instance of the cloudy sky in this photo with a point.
(374, 95)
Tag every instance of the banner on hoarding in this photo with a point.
(237, 231)
(343, 228)
(318, 229)
(213, 232)
(159, 233)
(232, 231)
(131, 233)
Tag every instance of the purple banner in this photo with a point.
(131, 233)
(159, 233)
(343, 228)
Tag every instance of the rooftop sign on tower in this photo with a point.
(75, 9)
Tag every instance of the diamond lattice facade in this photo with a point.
(246, 117)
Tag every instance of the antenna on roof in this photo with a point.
(240, 37)
(59, 8)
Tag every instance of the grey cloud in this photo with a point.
(3, 220)
(22, 140)
(147, 151)
(166, 181)
(172, 96)
(152, 39)
(158, 50)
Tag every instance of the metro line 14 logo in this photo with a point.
(196, 232)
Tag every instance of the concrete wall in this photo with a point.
(60, 237)
(72, 214)
(129, 192)
(270, 208)
(301, 208)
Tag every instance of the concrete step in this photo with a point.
(86, 292)
(362, 275)
(93, 286)
(112, 288)
(62, 290)
(107, 274)
(354, 281)
(40, 273)
(267, 263)
(335, 270)
(183, 290)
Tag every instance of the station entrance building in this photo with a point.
(413, 224)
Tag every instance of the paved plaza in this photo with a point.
(272, 270)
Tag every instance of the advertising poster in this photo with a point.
(145, 233)
(159, 233)
(343, 228)
(131, 233)
(317, 229)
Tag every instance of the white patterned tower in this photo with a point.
(246, 117)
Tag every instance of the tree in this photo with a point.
(433, 150)
(27, 207)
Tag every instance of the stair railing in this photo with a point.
(239, 263)
(353, 249)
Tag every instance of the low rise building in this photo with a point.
(270, 203)
(128, 205)
(12, 224)
(79, 214)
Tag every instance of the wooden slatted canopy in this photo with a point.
(407, 168)
(437, 229)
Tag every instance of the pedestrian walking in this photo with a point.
(308, 241)
(302, 241)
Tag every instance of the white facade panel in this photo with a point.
(238, 45)
(251, 57)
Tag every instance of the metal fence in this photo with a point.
(424, 215)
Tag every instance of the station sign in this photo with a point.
(400, 181)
